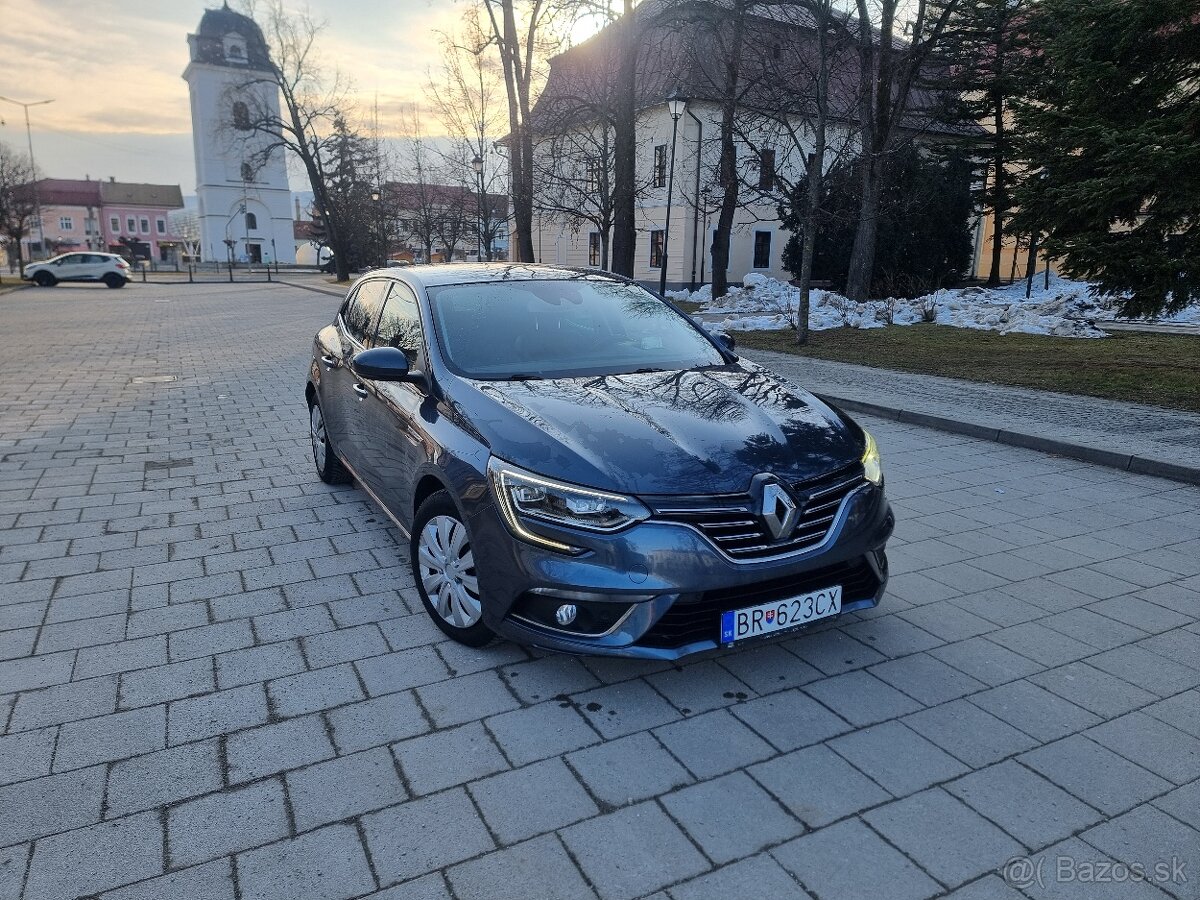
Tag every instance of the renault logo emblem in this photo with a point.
(779, 511)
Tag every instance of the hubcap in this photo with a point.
(448, 571)
(317, 426)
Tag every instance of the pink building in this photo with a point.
(112, 216)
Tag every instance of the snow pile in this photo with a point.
(1066, 309)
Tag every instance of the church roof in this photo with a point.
(124, 193)
(208, 43)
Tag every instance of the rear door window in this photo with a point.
(400, 322)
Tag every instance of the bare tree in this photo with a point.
(17, 201)
(889, 65)
(523, 33)
(304, 124)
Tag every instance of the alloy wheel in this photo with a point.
(447, 568)
(319, 443)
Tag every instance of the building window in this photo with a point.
(247, 172)
(161, 225)
(66, 223)
(660, 165)
(145, 225)
(766, 169)
(114, 223)
(241, 116)
(251, 221)
(762, 249)
(594, 249)
(131, 224)
(593, 175)
(656, 249)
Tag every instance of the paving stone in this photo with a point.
(430, 887)
(537, 732)
(632, 851)
(1024, 804)
(293, 623)
(1092, 689)
(1110, 783)
(861, 698)
(401, 671)
(123, 656)
(346, 645)
(219, 713)
(524, 802)
(347, 786)
(211, 881)
(1035, 711)
(26, 754)
(945, 838)
(106, 738)
(96, 858)
(897, 757)
(986, 661)
(374, 723)
(698, 687)
(628, 769)
(989, 888)
(424, 835)
(730, 817)
(447, 758)
(714, 743)
(535, 868)
(252, 664)
(926, 679)
(1063, 868)
(165, 683)
(1149, 837)
(309, 692)
(817, 785)
(769, 669)
(47, 805)
(208, 640)
(1183, 803)
(463, 660)
(1152, 744)
(829, 863)
(13, 862)
(273, 748)
(64, 703)
(968, 733)
(790, 719)
(328, 864)
(833, 652)
(466, 698)
(758, 876)
(167, 618)
(224, 823)
(1147, 670)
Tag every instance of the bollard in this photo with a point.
(191, 280)
(143, 274)
(268, 273)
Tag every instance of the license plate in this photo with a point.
(779, 615)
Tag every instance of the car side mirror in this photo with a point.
(383, 364)
(726, 341)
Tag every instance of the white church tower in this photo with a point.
(245, 205)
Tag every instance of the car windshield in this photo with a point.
(561, 329)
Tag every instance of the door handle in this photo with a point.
(360, 389)
(329, 361)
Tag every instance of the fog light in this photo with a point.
(565, 614)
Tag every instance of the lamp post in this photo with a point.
(676, 104)
(706, 199)
(37, 206)
(375, 195)
(696, 198)
(477, 165)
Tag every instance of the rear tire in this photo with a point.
(113, 281)
(329, 467)
(442, 561)
(44, 279)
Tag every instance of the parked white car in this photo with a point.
(108, 268)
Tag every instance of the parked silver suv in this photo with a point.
(107, 268)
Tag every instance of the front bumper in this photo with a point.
(670, 583)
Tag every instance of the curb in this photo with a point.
(311, 287)
(1139, 465)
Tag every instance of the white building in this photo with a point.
(244, 203)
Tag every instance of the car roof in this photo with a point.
(439, 274)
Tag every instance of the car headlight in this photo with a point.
(524, 496)
(872, 466)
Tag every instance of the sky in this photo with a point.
(113, 69)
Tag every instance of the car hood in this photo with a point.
(684, 432)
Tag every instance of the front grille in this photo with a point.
(732, 522)
(687, 622)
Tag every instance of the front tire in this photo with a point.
(444, 568)
(329, 467)
(113, 281)
(44, 279)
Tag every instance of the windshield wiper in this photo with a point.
(646, 371)
(522, 376)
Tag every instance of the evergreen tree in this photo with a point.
(924, 235)
(984, 66)
(1112, 128)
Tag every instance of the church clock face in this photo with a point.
(244, 200)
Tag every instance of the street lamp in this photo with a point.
(676, 104)
(375, 195)
(37, 206)
(477, 165)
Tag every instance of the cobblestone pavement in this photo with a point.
(216, 680)
(1160, 435)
